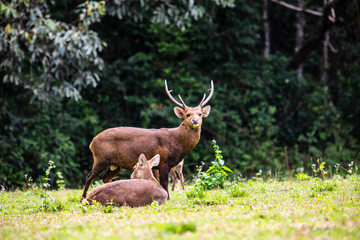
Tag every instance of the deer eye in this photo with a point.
(200, 114)
(188, 115)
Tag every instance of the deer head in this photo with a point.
(142, 169)
(192, 115)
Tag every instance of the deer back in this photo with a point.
(121, 146)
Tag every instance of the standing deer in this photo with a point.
(142, 189)
(117, 148)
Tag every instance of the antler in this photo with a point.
(183, 105)
(202, 103)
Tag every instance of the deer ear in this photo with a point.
(179, 112)
(142, 159)
(205, 111)
(155, 160)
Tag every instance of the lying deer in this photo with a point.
(176, 173)
(118, 148)
(141, 190)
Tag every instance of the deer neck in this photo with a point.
(188, 136)
(148, 175)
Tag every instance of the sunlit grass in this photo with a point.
(295, 209)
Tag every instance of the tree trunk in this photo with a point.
(329, 77)
(325, 64)
(266, 30)
(300, 23)
(333, 68)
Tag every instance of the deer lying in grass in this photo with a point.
(142, 189)
(117, 148)
(176, 173)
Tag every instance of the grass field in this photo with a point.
(312, 209)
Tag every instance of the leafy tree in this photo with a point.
(45, 55)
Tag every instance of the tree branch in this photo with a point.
(317, 36)
(299, 9)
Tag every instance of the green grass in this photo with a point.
(294, 209)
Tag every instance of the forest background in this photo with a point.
(287, 82)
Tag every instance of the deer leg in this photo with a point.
(164, 178)
(181, 177)
(173, 179)
(110, 174)
(94, 173)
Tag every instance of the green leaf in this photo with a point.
(227, 169)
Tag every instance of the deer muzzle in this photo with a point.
(195, 123)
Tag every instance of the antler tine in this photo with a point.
(202, 100)
(185, 106)
(202, 103)
(171, 97)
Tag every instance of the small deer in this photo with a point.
(118, 148)
(175, 173)
(142, 189)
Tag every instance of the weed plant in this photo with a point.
(217, 173)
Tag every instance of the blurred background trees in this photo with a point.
(70, 69)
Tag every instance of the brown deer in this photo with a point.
(175, 173)
(118, 148)
(142, 189)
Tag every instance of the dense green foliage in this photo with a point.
(70, 69)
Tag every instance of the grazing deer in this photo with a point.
(118, 148)
(175, 173)
(142, 189)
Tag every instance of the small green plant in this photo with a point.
(108, 208)
(320, 169)
(155, 204)
(45, 197)
(48, 202)
(85, 206)
(352, 170)
(324, 187)
(215, 176)
(302, 176)
(177, 228)
(195, 192)
(60, 181)
(258, 176)
(28, 182)
(237, 190)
